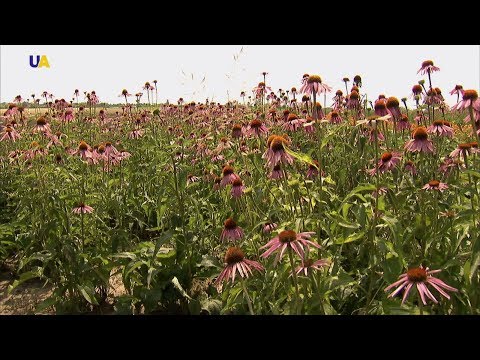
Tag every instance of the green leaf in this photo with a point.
(212, 306)
(350, 238)
(302, 157)
(179, 287)
(37, 273)
(208, 261)
(475, 264)
(473, 173)
(88, 294)
(45, 304)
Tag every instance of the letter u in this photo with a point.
(31, 61)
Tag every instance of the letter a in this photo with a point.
(43, 62)
(31, 61)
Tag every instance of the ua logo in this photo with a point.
(40, 61)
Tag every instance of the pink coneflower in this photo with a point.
(256, 127)
(353, 101)
(261, 89)
(216, 183)
(420, 277)
(110, 150)
(388, 162)
(420, 117)
(305, 79)
(432, 97)
(94, 99)
(35, 150)
(41, 126)
(416, 90)
(125, 94)
(289, 239)
(308, 264)
(231, 231)
(229, 176)
(82, 208)
(293, 123)
(338, 100)
(224, 144)
(276, 173)
(464, 149)
(381, 191)
(357, 81)
(308, 125)
(276, 153)
(313, 169)
(136, 133)
(235, 261)
(420, 141)
(9, 133)
(439, 94)
(393, 107)
(54, 139)
(378, 133)
(403, 123)
(470, 97)
(237, 131)
(427, 67)
(313, 84)
(84, 151)
(410, 167)
(319, 110)
(237, 188)
(217, 157)
(192, 178)
(435, 185)
(68, 115)
(269, 227)
(380, 107)
(123, 155)
(458, 89)
(449, 164)
(335, 117)
(440, 128)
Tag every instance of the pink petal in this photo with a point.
(407, 291)
(421, 292)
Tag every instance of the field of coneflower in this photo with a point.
(308, 201)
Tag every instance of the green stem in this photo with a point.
(294, 276)
(249, 301)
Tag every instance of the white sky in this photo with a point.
(108, 69)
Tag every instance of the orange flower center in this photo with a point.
(354, 95)
(292, 117)
(314, 79)
(230, 224)
(227, 170)
(434, 183)
(83, 146)
(287, 236)
(420, 133)
(387, 156)
(41, 121)
(256, 124)
(427, 63)
(470, 95)
(417, 89)
(417, 275)
(277, 144)
(392, 102)
(234, 255)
